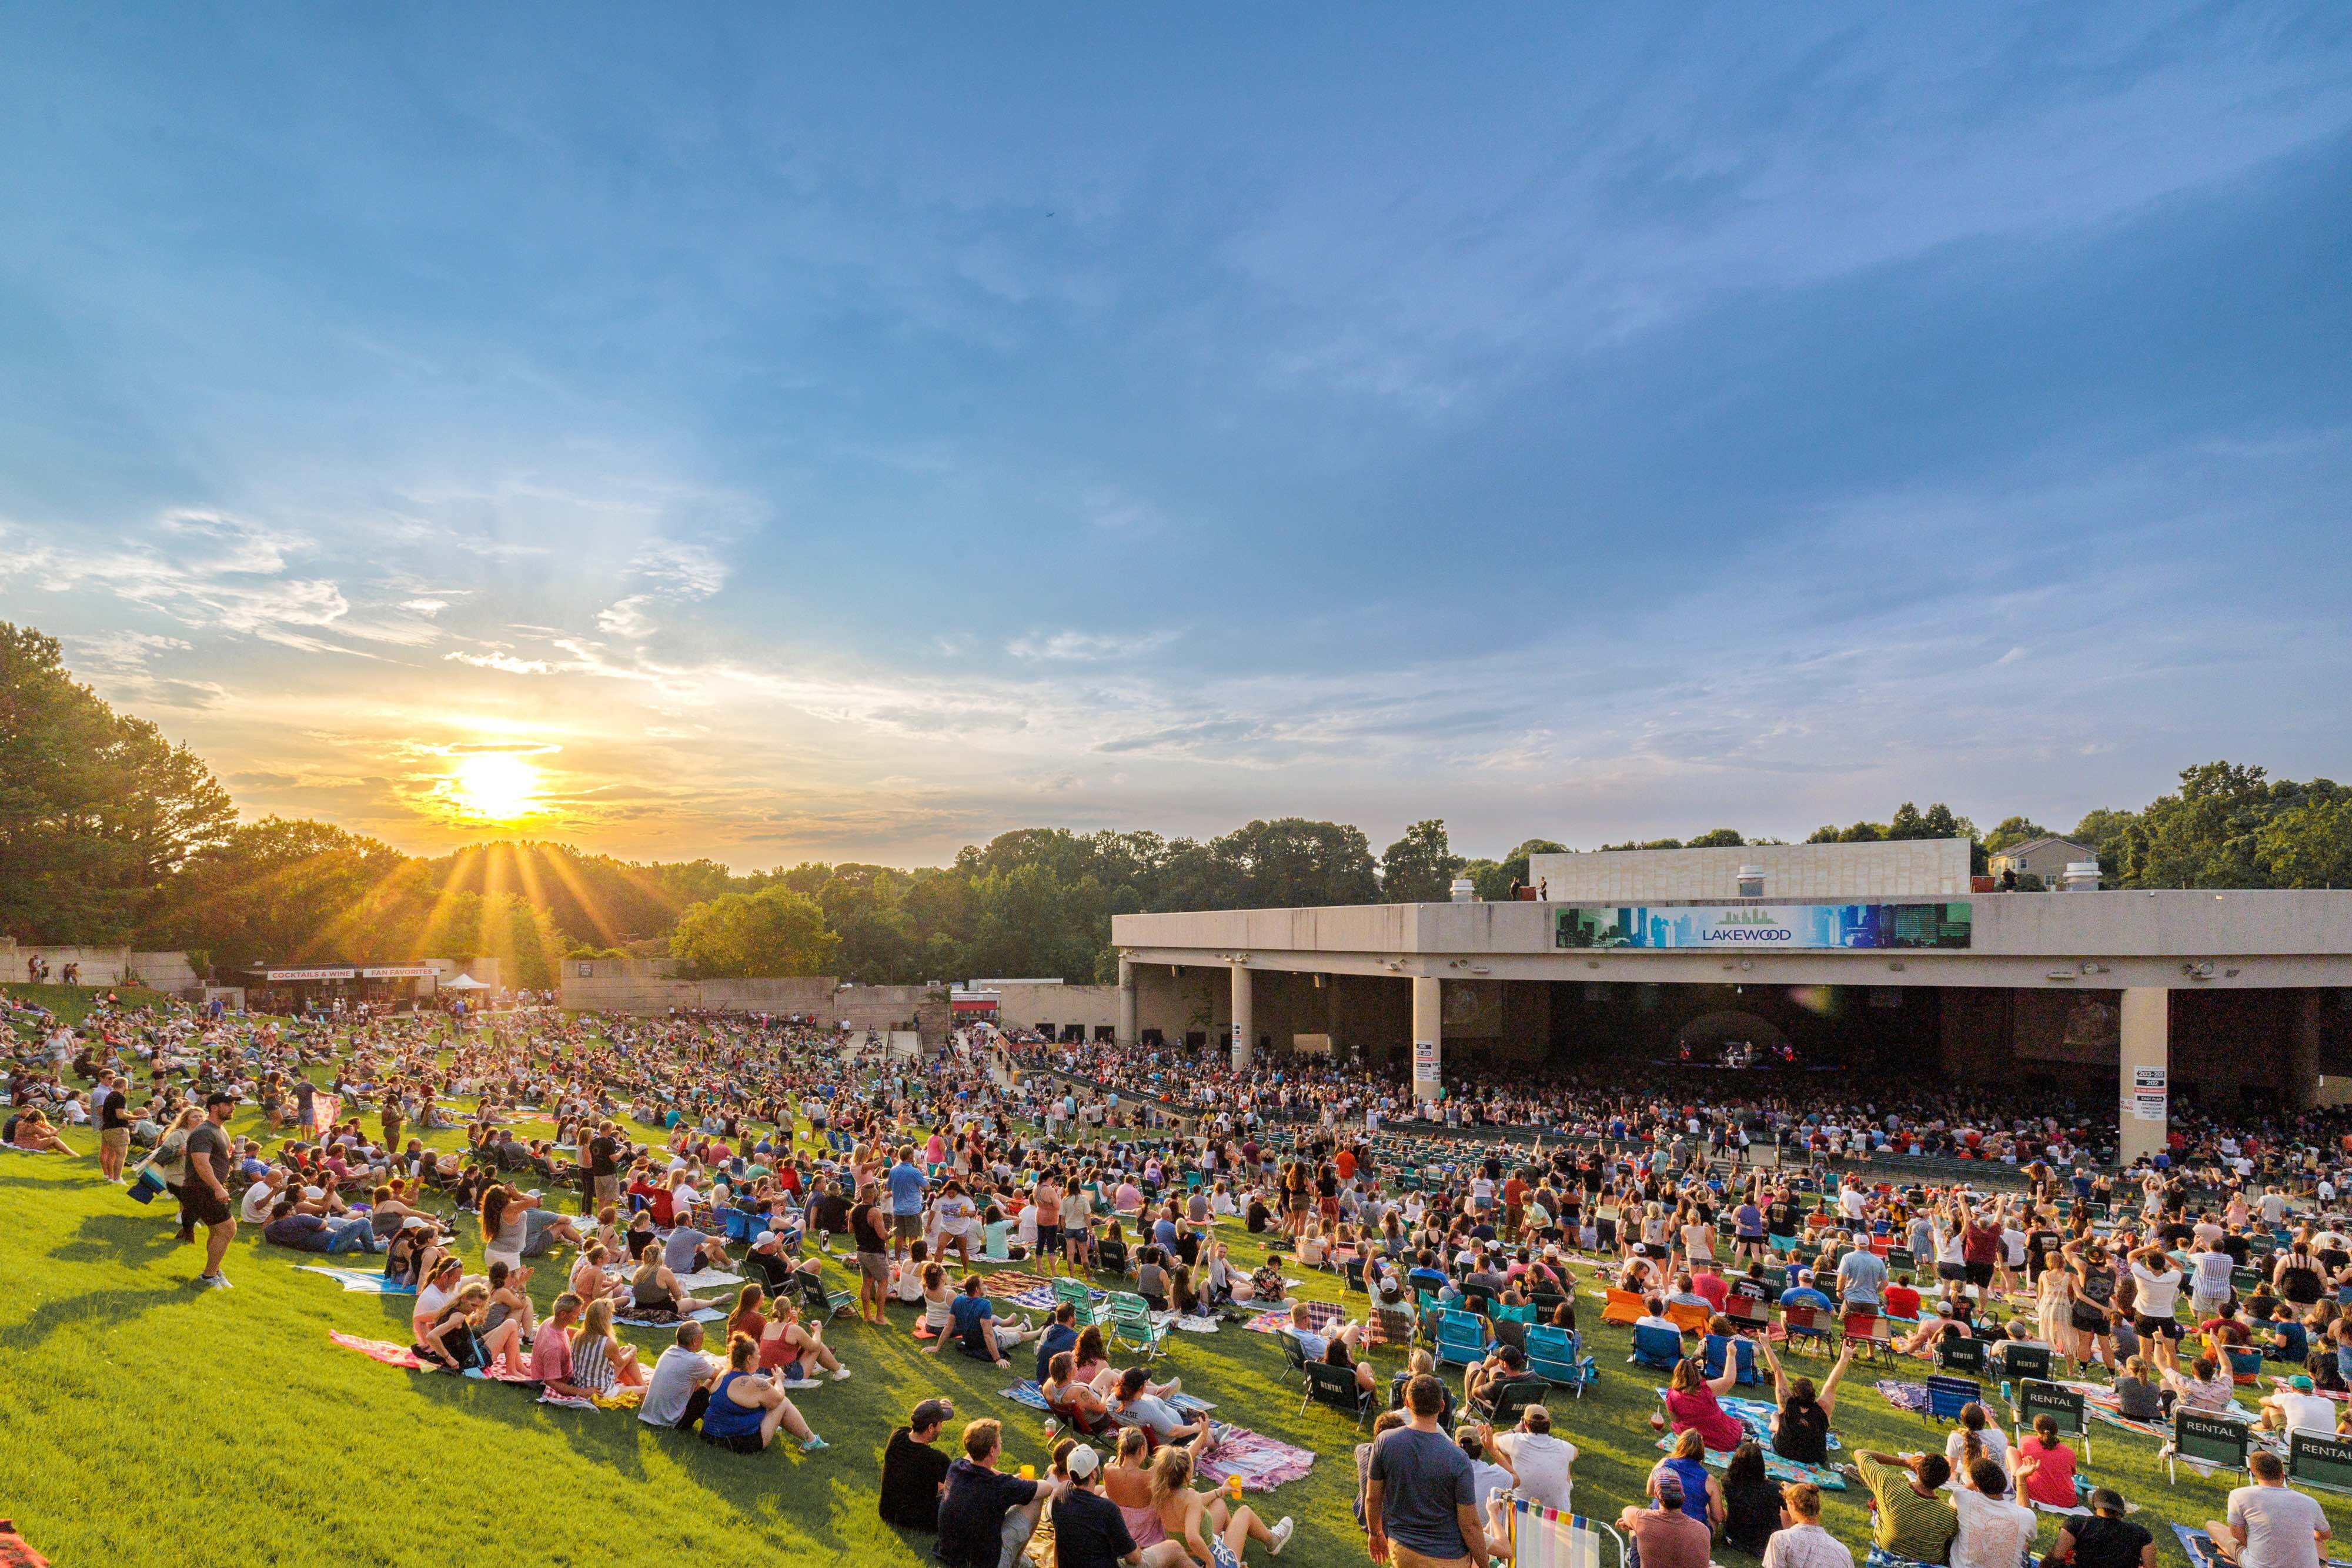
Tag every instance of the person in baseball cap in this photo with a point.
(914, 1469)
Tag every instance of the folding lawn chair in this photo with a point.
(1131, 1324)
(2063, 1405)
(1657, 1347)
(2318, 1460)
(2208, 1442)
(1948, 1396)
(1460, 1339)
(1336, 1387)
(1555, 1354)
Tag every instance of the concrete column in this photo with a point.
(2146, 1073)
(2303, 1057)
(1428, 1039)
(1125, 1002)
(1244, 1020)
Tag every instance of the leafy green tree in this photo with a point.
(2309, 846)
(773, 931)
(1420, 867)
(2015, 831)
(95, 808)
(288, 889)
(1715, 839)
(1292, 863)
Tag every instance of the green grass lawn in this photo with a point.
(147, 1423)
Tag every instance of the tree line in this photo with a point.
(109, 834)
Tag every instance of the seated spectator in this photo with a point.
(551, 1352)
(1992, 1529)
(1801, 1542)
(746, 1409)
(1135, 1406)
(1692, 1405)
(679, 1391)
(1913, 1517)
(1664, 1534)
(915, 1469)
(986, 1516)
(978, 1332)
(1800, 1426)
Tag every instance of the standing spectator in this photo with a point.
(1421, 1500)
(204, 1198)
(1800, 1541)
(906, 1184)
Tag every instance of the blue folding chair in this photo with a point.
(1460, 1339)
(1556, 1354)
(1947, 1397)
(1718, 1345)
(1657, 1347)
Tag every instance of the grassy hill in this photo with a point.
(152, 1424)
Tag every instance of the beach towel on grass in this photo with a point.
(1261, 1461)
(1828, 1478)
(708, 1279)
(1911, 1396)
(700, 1315)
(1187, 1325)
(566, 1402)
(2200, 1548)
(1027, 1392)
(2099, 1402)
(359, 1279)
(14, 1550)
(1320, 1315)
(384, 1351)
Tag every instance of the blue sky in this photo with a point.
(806, 434)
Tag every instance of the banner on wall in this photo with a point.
(2149, 1093)
(1426, 1085)
(1765, 927)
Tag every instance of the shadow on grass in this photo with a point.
(92, 1309)
(118, 1238)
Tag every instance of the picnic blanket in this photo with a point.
(1205, 1323)
(1261, 1462)
(381, 1350)
(700, 1315)
(1027, 1392)
(1911, 1396)
(1320, 1315)
(1030, 1294)
(1756, 1416)
(2099, 1402)
(13, 1551)
(361, 1280)
(2198, 1545)
(1829, 1477)
(708, 1279)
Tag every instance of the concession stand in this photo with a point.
(300, 989)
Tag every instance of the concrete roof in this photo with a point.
(2099, 940)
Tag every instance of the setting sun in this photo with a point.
(498, 786)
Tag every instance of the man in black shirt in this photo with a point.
(604, 1167)
(2106, 1539)
(113, 1104)
(1090, 1531)
(915, 1470)
(983, 1510)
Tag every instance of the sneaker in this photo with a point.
(815, 1445)
(213, 1283)
(1281, 1536)
(1173, 1385)
(841, 1374)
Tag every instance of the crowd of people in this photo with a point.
(665, 1151)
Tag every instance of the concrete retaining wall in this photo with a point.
(103, 966)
